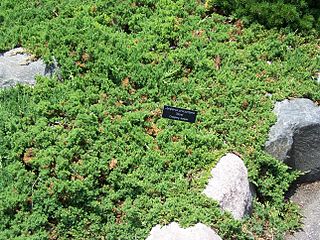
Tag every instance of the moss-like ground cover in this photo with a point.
(88, 156)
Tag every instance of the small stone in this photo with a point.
(174, 232)
(230, 186)
(17, 66)
(295, 137)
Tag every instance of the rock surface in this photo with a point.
(16, 66)
(295, 138)
(307, 196)
(174, 232)
(230, 186)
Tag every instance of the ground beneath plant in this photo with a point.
(307, 196)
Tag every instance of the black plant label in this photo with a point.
(180, 114)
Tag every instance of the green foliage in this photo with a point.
(296, 14)
(89, 157)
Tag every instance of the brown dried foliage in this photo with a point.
(113, 164)
(28, 155)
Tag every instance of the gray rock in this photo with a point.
(307, 196)
(295, 138)
(230, 186)
(174, 232)
(17, 66)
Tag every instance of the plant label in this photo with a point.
(179, 114)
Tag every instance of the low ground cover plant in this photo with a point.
(298, 15)
(88, 156)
